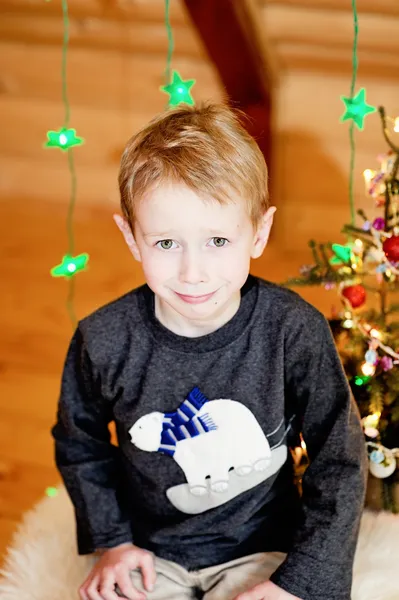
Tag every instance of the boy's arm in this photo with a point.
(319, 565)
(89, 464)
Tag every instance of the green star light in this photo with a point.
(179, 90)
(357, 108)
(342, 254)
(63, 139)
(70, 265)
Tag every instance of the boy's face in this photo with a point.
(195, 254)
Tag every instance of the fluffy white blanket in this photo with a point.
(42, 564)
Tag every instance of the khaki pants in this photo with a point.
(222, 582)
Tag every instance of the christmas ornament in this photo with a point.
(391, 248)
(382, 462)
(386, 363)
(379, 224)
(355, 294)
(371, 357)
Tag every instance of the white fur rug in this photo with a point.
(42, 563)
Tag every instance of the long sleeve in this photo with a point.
(89, 464)
(319, 565)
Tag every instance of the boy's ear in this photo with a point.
(262, 233)
(124, 227)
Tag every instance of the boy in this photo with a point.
(209, 374)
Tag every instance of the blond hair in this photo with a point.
(204, 147)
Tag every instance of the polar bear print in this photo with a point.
(207, 439)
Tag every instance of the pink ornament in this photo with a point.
(379, 224)
(386, 363)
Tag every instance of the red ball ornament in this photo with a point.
(391, 248)
(356, 294)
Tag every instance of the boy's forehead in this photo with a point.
(172, 204)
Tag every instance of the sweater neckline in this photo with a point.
(212, 341)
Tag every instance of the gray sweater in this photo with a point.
(201, 474)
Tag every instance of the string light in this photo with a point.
(177, 88)
(396, 126)
(357, 108)
(63, 139)
(70, 265)
(66, 139)
(352, 111)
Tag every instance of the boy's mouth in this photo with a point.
(195, 299)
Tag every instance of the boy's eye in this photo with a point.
(219, 242)
(165, 244)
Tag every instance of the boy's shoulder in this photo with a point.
(285, 312)
(284, 301)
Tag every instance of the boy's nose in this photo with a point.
(192, 269)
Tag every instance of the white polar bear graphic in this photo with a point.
(226, 436)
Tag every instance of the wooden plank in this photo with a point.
(329, 28)
(232, 43)
(338, 61)
(382, 7)
(146, 11)
(129, 36)
(29, 179)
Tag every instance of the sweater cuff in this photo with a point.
(89, 545)
(312, 579)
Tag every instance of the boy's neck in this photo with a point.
(191, 328)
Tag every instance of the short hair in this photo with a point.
(204, 147)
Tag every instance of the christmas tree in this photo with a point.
(365, 273)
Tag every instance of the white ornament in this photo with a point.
(386, 468)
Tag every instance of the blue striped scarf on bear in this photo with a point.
(184, 423)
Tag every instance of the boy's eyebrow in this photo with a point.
(157, 234)
(172, 232)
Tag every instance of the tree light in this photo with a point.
(368, 369)
(368, 175)
(372, 420)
